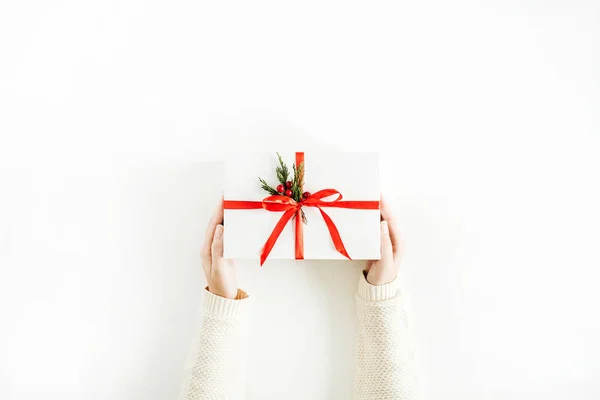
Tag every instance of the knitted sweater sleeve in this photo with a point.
(214, 368)
(384, 356)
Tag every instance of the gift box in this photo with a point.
(295, 205)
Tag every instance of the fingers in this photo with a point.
(387, 251)
(394, 233)
(386, 212)
(216, 219)
(217, 245)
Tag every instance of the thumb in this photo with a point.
(387, 251)
(217, 245)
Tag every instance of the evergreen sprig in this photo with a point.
(298, 181)
(282, 171)
(297, 186)
(283, 174)
(268, 188)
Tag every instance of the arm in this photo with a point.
(384, 358)
(214, 368)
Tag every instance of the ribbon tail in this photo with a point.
(299, 236)
(264, 253)
(335, 235)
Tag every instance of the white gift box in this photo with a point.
(354, 175)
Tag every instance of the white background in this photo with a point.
(113, 115)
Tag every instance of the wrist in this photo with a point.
(377, 278)
(223, 286)
(228, 291)
(237, 294)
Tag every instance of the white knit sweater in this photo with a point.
(384, 359)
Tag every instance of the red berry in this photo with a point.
(306, 195)
(288, 193)
(288, 184)
(280, 188)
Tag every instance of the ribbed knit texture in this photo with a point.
(384, 357)
(370, 292)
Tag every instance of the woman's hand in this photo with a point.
(380, 272)
(220, 273)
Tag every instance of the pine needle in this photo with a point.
(298, 181)
(268, 188)
(282, 171)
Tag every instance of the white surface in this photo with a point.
(111, 113)
(355, 175)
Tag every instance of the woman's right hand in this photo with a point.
(220, 273)
(385, 270)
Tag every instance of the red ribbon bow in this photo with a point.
(290, 208)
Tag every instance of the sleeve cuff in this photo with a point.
(369, 292)
(221, 306)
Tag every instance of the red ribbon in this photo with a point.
(290, 208)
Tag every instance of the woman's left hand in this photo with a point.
(220, 273)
